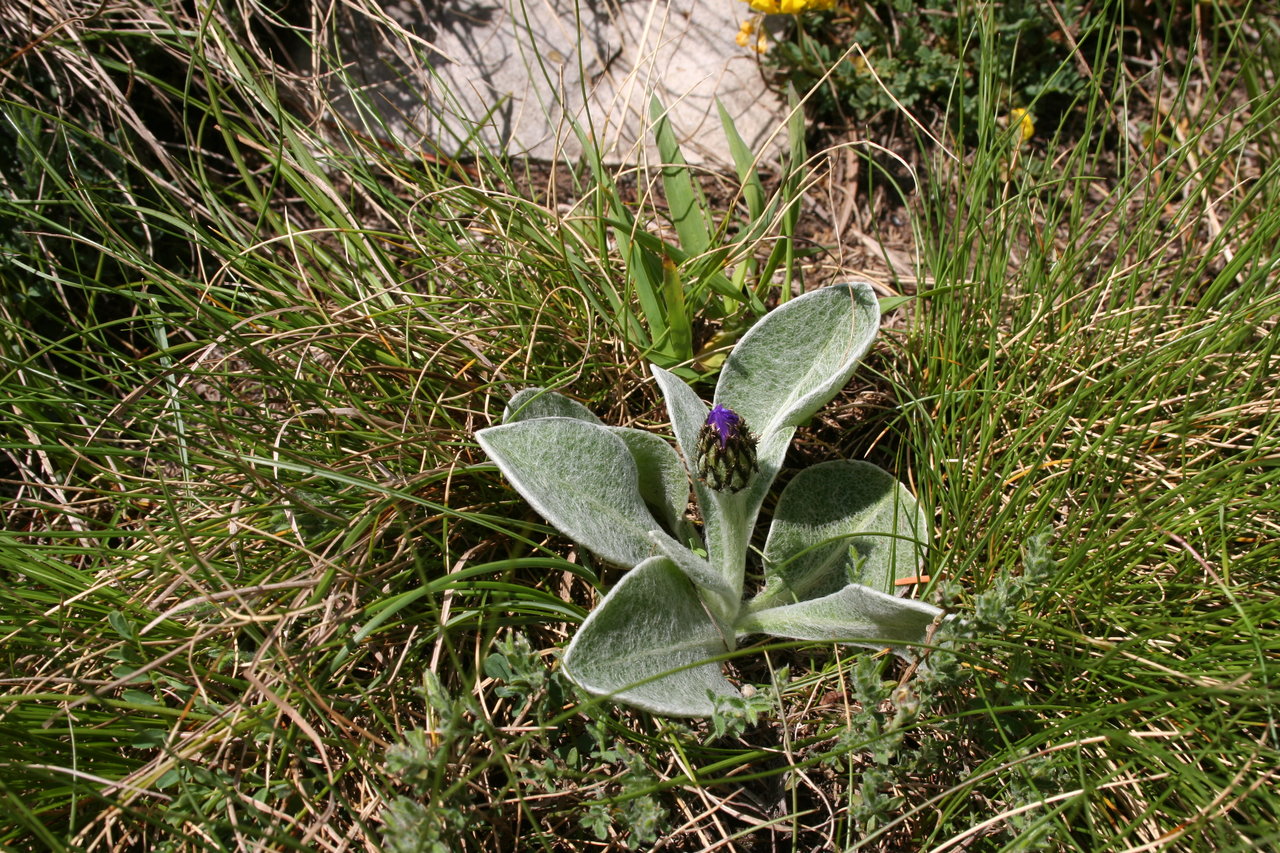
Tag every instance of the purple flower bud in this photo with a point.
(726, 451)
(726, 423)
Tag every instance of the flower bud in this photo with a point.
(726, 451)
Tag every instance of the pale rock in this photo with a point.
(524, 70)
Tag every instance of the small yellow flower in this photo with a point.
(774, 7)
(1024, 121)
(751, 27)
(790, 7)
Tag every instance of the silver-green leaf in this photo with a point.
(841, 522)
(664, 483)
(687, 412)
(799, 356)
(649, 643)
(582, 478)
(857, 615)
(530, 403)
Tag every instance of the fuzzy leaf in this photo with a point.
(856, 614)
(664, 483)
(651, 628)
(770, 453)
(841, 522)
(687, 412)
(727, 519)
(723, 515)
(530, 403)
(799, 356)
(725, 600)
(581, 477)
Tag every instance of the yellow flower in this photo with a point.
(790, 7)
(750, 27)
(774, 7)
(1024, 121)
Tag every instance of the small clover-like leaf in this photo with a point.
(840, 522)
(857, 615)
(649, 643)
(799, 356)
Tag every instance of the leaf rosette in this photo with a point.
(843, 535)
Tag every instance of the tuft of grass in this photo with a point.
(259, 588)
(1096, 354)
(243, 361)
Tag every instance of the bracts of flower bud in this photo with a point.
(726, 451)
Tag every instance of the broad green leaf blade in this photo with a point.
(644, 269)
(893, 303)
(644, 274)
(744, 163)
(857, 615)
(685, 202)
(679, 327)
(530, 403)
(664, 483)
(791, 189)
(799, 356)
(837, 523)
(646, 642)
(581, 478)
(705, 268)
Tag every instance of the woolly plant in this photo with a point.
(842, 537)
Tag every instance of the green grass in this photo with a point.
(259, 587)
